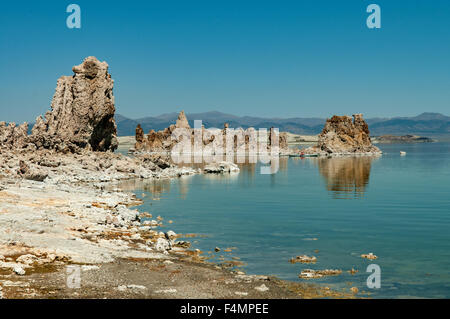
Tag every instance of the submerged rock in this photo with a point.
(369, 256)
(303, 259)
(314, 274)
(353, 271)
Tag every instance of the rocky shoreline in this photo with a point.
(60, 205)
(68, 209)
(77, 215)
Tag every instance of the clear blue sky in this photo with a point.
(265, 58)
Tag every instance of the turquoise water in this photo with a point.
(397, 207)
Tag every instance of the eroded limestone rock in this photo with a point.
(182, 121)
(82, 112)
(12, 135)
(34, 174)
(208, 140)
(342, 135)
(139, 134)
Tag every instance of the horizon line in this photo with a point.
(280, 118)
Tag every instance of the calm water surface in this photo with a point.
(397, 207)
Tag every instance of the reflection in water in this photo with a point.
(156, 188)
(346, 177)
(247, 163)
(249, 167)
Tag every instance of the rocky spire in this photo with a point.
(12, 135)
(82, 115)
(139, 134)
(182, 121)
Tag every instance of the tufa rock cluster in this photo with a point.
(81, 116)
(346, 136)
(162, 142)
(13, 136)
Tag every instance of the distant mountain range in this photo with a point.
(423, 124)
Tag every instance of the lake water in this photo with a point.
(397, 207)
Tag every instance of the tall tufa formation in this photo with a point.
(139, 134)
(342, 135)
(82, 115)
(160, 141)
(13, 136)
(182, 121)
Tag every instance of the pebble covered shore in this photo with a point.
(58, 210)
